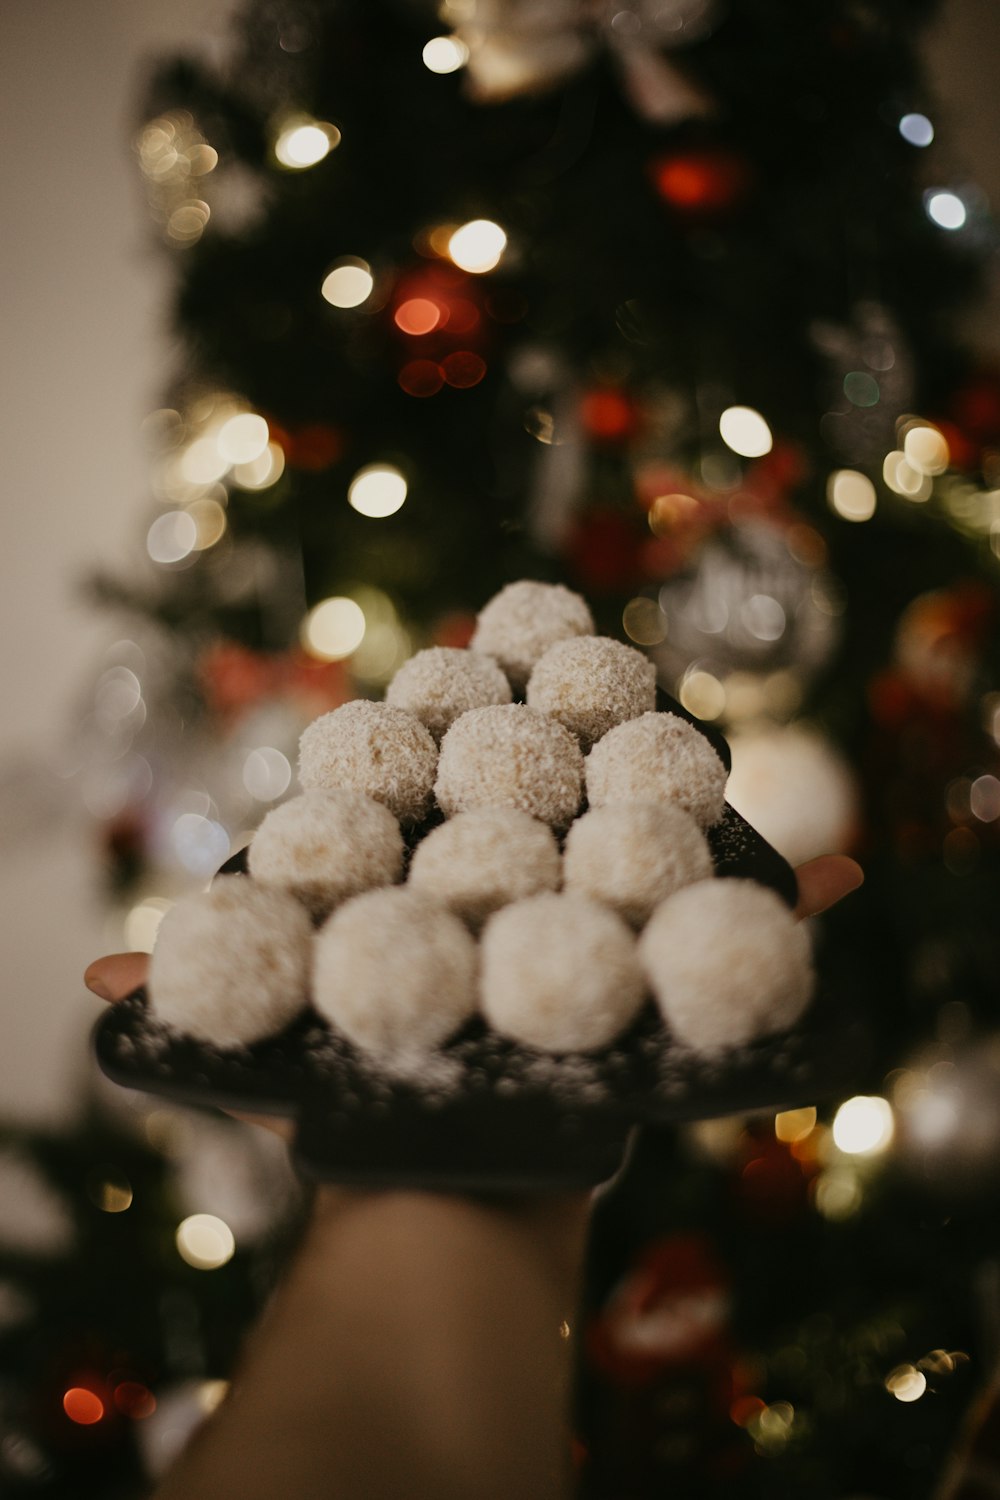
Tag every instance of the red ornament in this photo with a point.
(701, 183)
(604, 549)
(608, 415)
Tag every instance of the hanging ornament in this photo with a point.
(702, 184)
(671, 1309)
(795, 788)
(530, 46)
(747, 604)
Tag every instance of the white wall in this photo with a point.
(82, 362)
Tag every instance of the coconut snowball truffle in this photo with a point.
(633, 855)
(394, 972)
(727, 962)
(481, 860)
(559, 972)
(518, 625)
(592, 683)
(662, 758)
(231, 965)
(510, 756)
(372, 748)
(439, 684)
(325, 846)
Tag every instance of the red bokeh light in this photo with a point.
(421, 377)
(609, 416)
(419, 315)
(83, 1406)
(463, 369)
(134, 1399)
(701, 181)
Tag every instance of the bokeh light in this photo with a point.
(745, 431)
(348, 283)
(945, 209)
(418, 315)
(377, 491)
(916, 129)
(851, 494)
(303, 143)
(863, 1125)
(702, 694)
(243, 438)
(644, 622)
(143, 923)
(262, 472)
(900, 476)
(445, 54)
(172, 537)
(82, 1406)
(925, 449)
(333, 629)
(794, 1124)
(267, 774)
(906, 1383)
(205, 1241)
(477, 246)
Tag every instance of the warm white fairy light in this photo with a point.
(243, 438)
(348, 283)
(445, 54)
(925, 449)
(172, 537)
(377, 491)
(863, 1125)
(851, 495)
(205, 1241)
(302, 143)
(745, 431)
(477, 246)
(333, 629)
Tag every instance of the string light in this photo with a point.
(916, 129)
(243, 438)
(377, 491)
(333, 629)
(745, 431)
(851, 495)
(348, 283)
(304, 142)
(445, 54)
(205, 1241)
(863, 1125)
(945, 209)
(477, 246)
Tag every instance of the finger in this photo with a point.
(824, 881)
(116, 976)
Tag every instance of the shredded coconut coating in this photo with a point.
(481, 860)
(372, 748)
(326, 846)
(395, 972)
(559, 972)
(633, 855)
(592, 683)
(441, 683)
(727, 963)
(231, 965)
(510, 756)
(518, 625)
(661, 758)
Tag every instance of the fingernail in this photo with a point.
(102, 992)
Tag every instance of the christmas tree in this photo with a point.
(659, 302)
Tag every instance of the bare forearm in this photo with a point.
(413, 1350)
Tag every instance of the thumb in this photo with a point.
(117, 975)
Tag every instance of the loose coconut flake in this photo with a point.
(662, 758)
(442, 683)
(395, 972)
(727, 963)
(327, 845)
(481, 860)
(510, 756)
(518, 625)
(559, 972)
(231, 965)
(633, 855)
(372, 748)
(592, 683)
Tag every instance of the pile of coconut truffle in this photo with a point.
(554, 924)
